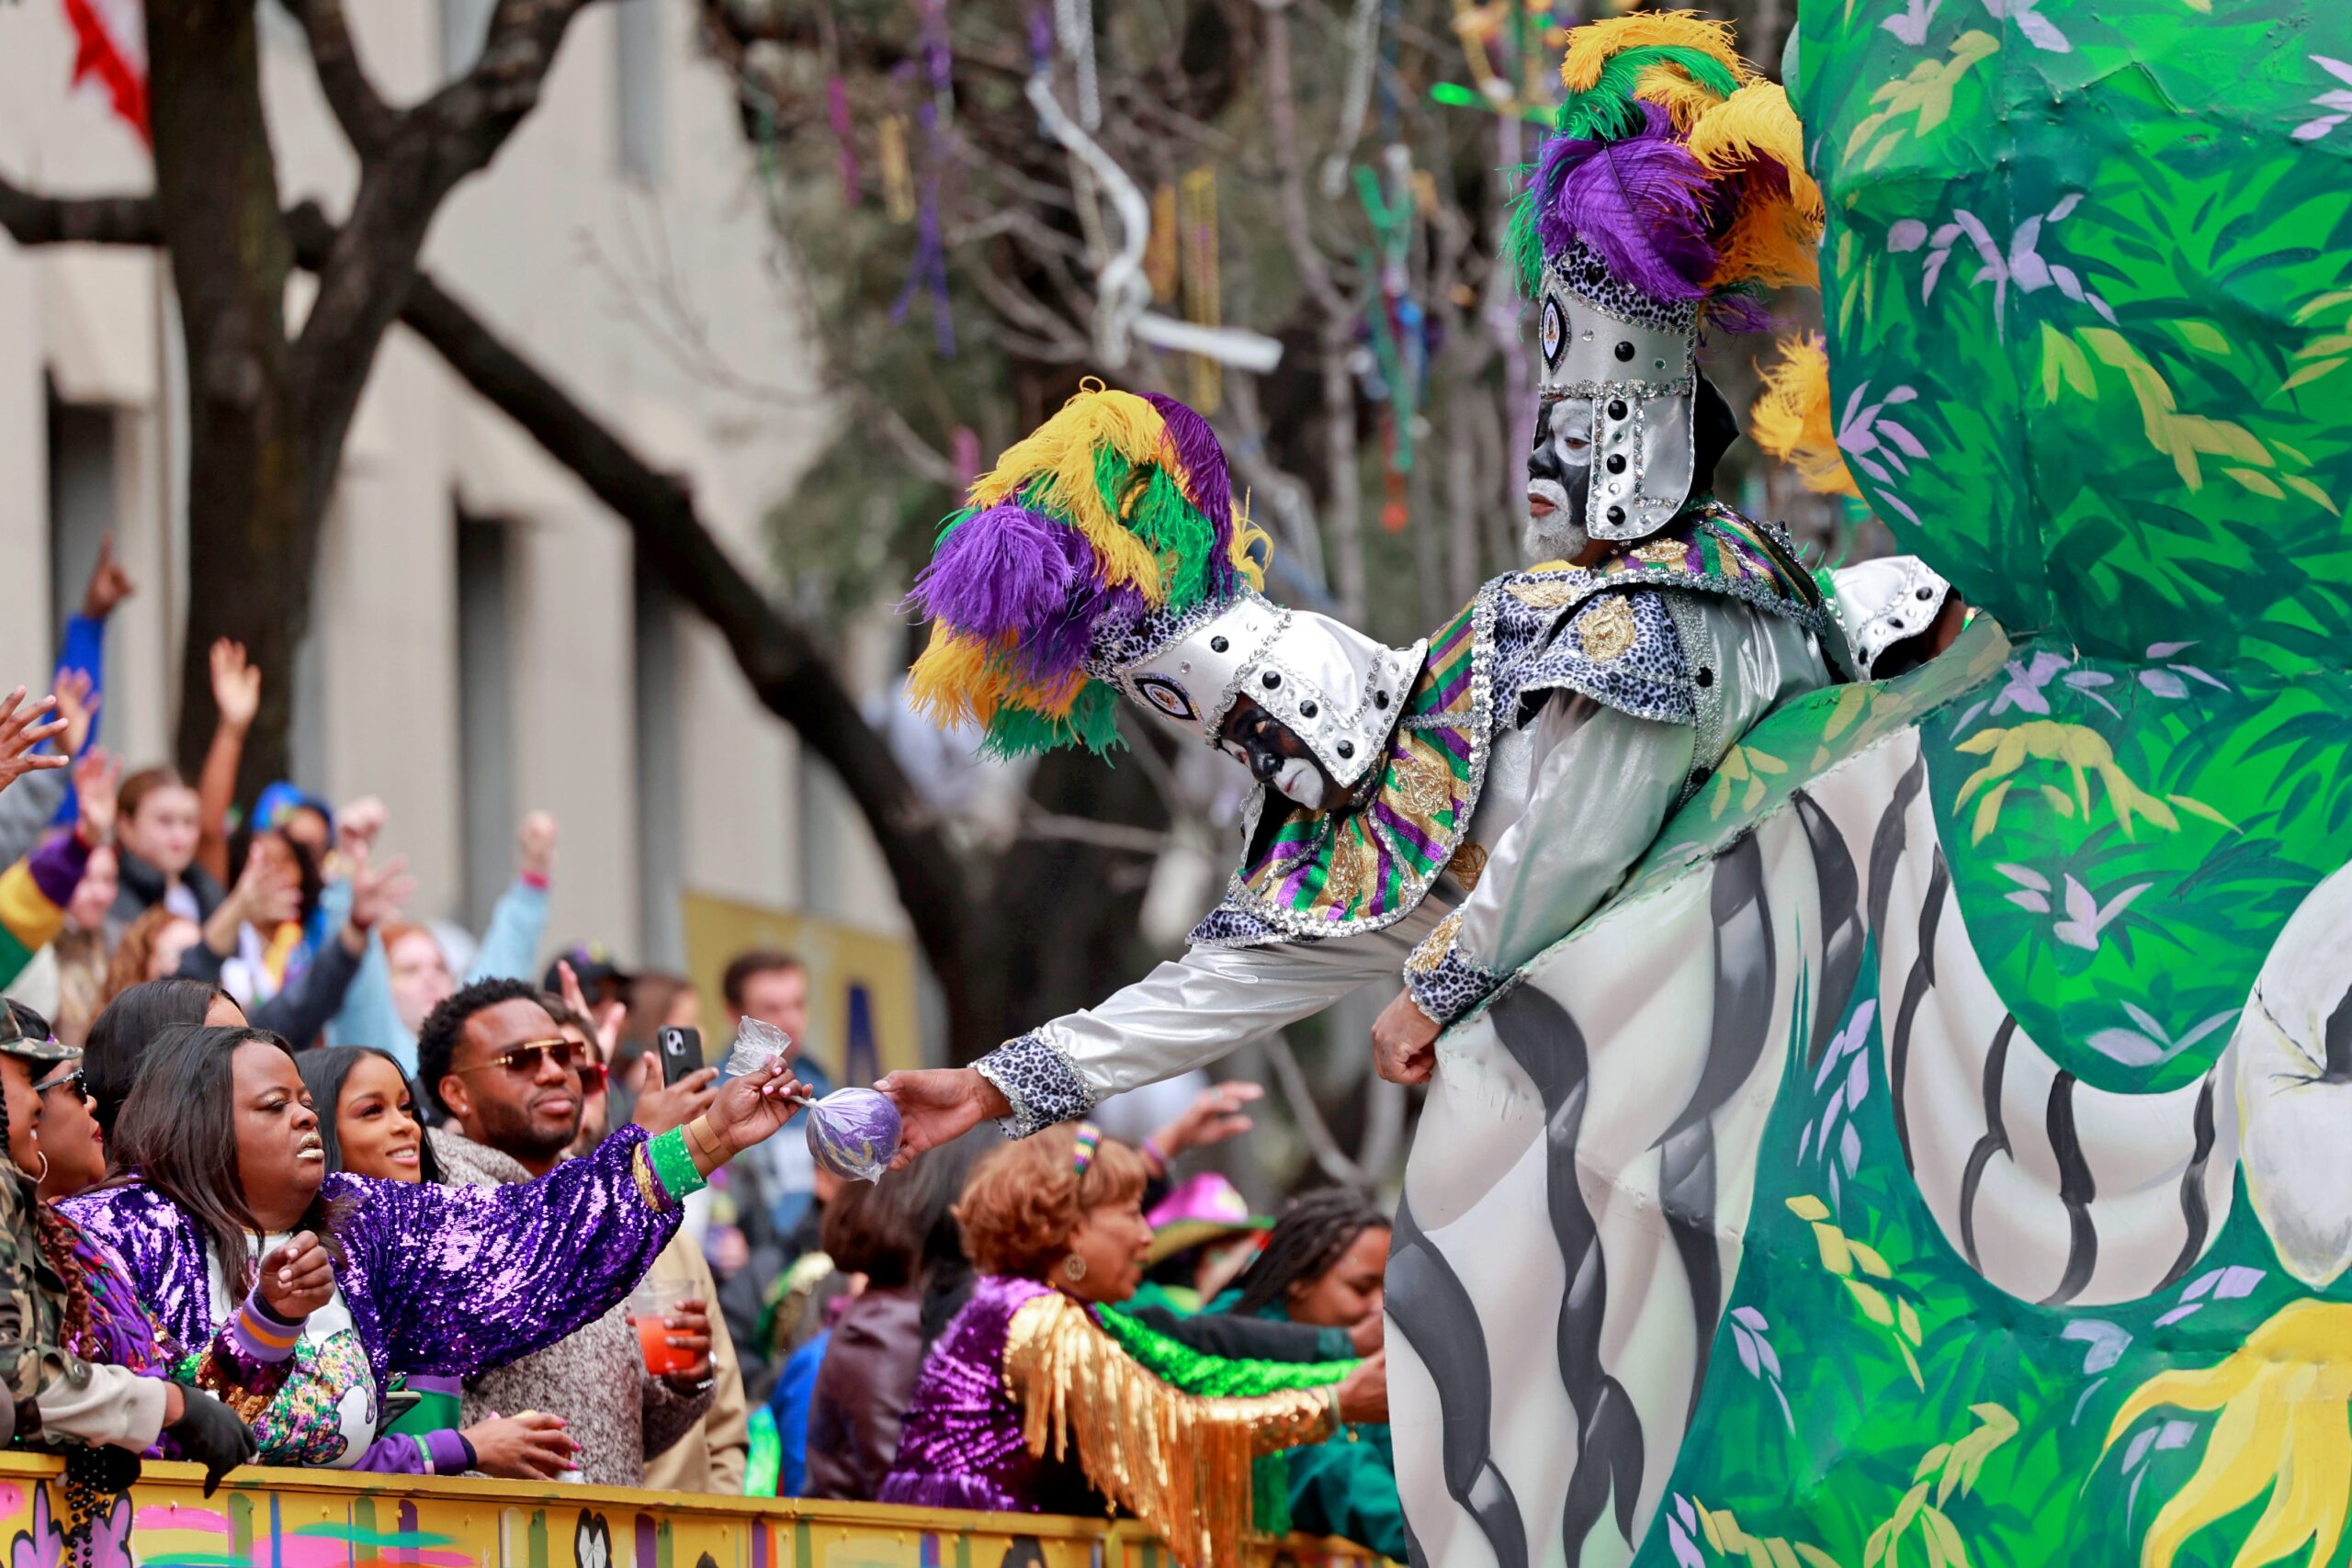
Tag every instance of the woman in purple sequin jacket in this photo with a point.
(1028, 1403)
(223, 1150)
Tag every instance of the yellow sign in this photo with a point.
(327, 1519)
(862, 1015)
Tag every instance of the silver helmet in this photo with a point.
(1336, 689)
(1624, 366)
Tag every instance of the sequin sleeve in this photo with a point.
(470, 1277)
(1178, 1461)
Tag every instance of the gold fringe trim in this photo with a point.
(1178, 1461)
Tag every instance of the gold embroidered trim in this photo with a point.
(647, 1188)
(1469, 864)
(1664, 552)
(1423, 787)
(1435, 946)
(1344, 882)
(1606, 632)
(1178, 1461)
(1546, 595)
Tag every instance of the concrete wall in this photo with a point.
(657, 300)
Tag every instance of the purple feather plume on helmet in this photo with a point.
(1641, 202)
(1055, 647)
(1212, 488)
(1001, 569)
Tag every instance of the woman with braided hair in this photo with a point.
(84, 1364)
(1322, 1264)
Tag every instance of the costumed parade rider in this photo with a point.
(1431, 816)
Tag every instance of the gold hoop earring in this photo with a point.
(1074, 1269)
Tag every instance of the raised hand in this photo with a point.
(20, 731)
(297, 1277)
(535, 848)
(265, 896)
(236, 686)
(96, 778)
(1214, 1117)
(356, 825)
(379, 893)
(662, 1106)
(77, 705)
(108, 586)
(604, 1017)
(751, 1109)
(939, 1105)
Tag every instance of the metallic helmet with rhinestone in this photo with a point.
(1886, 600)
(1671, 194)
(1336, 689)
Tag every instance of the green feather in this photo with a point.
(1608, 109)
(1093, 723)
(1178, 533)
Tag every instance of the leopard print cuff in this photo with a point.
(1043, 1084)
(1443, 983)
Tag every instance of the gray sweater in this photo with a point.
(596, 1380)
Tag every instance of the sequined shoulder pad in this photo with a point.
(1619, 647)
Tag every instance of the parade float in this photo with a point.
(1938, 1153)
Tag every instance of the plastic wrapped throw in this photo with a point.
(853, 1132)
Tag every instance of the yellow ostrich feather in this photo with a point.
(1590, 46)
(961, 680)
(1770, 242)
(1791, 419)
(1062, 452)
(958, 680)
(1245, 554)
(1755, 124)
(1682, 99)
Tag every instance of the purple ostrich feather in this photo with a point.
(1003, 569)
(1058, 646)
(1641, 201)
(1212, 488)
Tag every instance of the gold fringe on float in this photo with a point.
(1178, 1461)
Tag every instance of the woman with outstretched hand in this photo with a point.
(222, 1143)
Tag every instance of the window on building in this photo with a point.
(638, 102)
(486, 710)
(81, 500)
(661, 776)
(464, 25)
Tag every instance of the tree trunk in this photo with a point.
(250, 545)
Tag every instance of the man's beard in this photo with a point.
(1561, 536)
(512, 1130)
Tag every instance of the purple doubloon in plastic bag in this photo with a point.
(853, 1132)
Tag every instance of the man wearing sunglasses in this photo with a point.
(514, 1087)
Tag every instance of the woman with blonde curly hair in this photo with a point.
(1034, 1368)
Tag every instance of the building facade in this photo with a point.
(482, 642)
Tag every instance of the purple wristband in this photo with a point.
(446, 1453)
(261, 1333)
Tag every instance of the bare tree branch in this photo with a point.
(366, 118)
(33, 219)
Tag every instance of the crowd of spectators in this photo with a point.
(327, 1186)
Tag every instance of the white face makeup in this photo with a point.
(1559, 474)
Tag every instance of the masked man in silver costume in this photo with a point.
(1430, 817)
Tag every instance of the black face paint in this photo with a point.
(1264, 745)
(1559, 467)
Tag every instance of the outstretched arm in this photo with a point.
(1605, 783)
(1182, 1014)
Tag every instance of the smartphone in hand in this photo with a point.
(681, 1052)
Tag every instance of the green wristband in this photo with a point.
(673, 1164)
